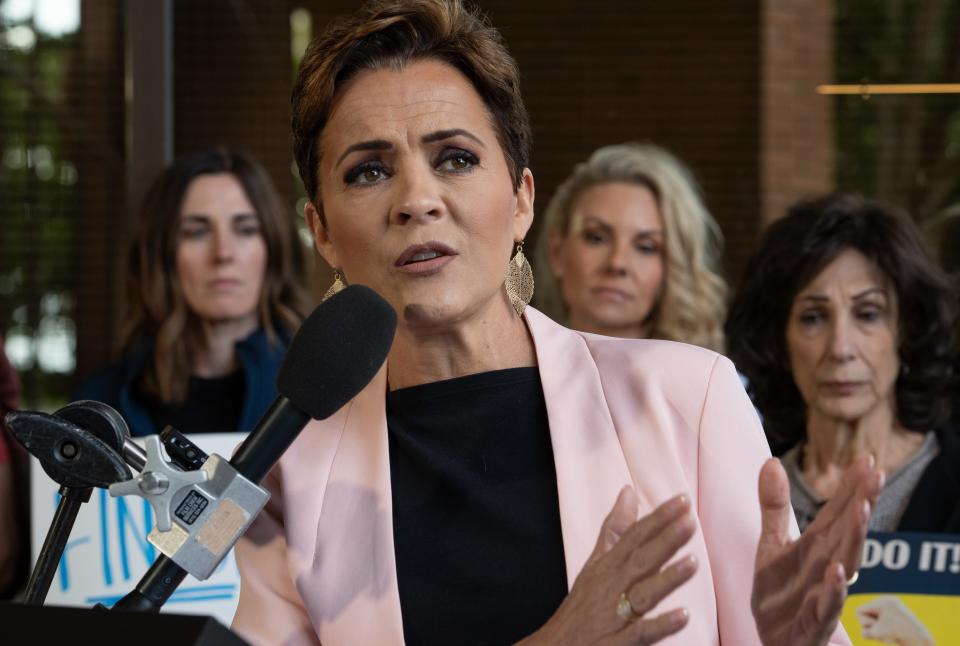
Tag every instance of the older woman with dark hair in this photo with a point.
(463, 496)
(215, 293)
(844, 328)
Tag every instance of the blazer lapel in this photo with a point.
(354, 570)
(591, 468)
(353, 580)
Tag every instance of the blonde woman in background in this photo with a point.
(630, 250)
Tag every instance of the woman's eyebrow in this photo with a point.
(373, 144)
(869, 292)
(816, 296)
(440, 135)
(600, 222)
(649, 233)
(596, 221)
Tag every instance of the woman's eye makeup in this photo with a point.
(368, 172)
(193, 234)
(594, 236)
(870, 313)
(193, 231)
(864, 314)
(647, 246)
(810, 317)
(198, 228)
(246, 226)
(456, 160)
(450, 160)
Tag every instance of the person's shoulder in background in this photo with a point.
(14, 526)
(104, 385)
(108, 383)
(9, 399)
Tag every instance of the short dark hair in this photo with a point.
(791, 253)
(391, 34)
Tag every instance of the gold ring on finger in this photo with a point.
(625, 609)
(853, 579)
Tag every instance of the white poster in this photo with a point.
(108, 550)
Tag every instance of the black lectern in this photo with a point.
(31, 625)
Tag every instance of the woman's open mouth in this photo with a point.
(425, 258)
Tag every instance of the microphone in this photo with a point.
(337, 351)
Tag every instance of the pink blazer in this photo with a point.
(318, 566)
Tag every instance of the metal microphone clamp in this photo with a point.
(199, 514)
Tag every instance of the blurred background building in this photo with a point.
(96, 96)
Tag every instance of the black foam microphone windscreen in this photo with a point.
(334, 355)
(337, 351)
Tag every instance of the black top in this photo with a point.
(259, 356)
(211, 406)
(476, 518)
(935, 504)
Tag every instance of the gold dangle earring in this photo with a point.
(337, 286)
(519, 280)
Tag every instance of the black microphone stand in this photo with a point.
(77, 460)
(53, 545)
(80, 447)
(154, 588)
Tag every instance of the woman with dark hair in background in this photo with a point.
(215, 294)
(504, 479)
(629, 249)
(844, 328)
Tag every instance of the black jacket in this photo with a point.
(935, 503)
(259, 359)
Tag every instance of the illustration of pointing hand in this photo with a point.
(889, 620)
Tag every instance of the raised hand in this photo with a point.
(625, 577)
(800, 585)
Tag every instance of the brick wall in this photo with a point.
(796, 142)
(232, 79)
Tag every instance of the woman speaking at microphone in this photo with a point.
(504, 479)
(215, 294)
